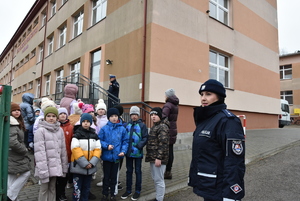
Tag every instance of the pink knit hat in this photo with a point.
(86, 108)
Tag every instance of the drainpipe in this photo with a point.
(44, 46)
(144, 51)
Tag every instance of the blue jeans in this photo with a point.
(82, 185)
(138, 173)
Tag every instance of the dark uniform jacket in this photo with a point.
(158, 142)
(170, 110)
(218, 155)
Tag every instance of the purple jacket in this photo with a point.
(170, 110)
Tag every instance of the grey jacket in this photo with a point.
(50, 151)
(18, 160)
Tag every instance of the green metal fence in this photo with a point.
(5, 100)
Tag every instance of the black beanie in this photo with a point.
(112, 111)
(120, 108)
(214, 86)
(157, 111)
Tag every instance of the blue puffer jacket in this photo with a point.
(113, 134)
(27, 109)
(138, 135)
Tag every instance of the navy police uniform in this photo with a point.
(218, 154)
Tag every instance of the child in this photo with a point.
(101, 121)
(68, 131)
(86, 152)
(49, 153)
(114, 142)
(157, 150)
(18, 160)
(138, 134)
(37, 112)
(77, 112)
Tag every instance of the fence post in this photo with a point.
(5, 99)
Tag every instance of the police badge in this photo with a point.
(237, 147)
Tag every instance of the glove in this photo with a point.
(31, 145)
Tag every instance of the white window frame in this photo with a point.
(74, 69)
(59, 76)
(47, 85)
(62, 36)
(287, 95)
(283, 72)
(24, 87)
(53, 8)
(98, 10)
(78, 24)
(44, 19)
(50, 45)
(220, 68)
(219, 8)
(30, 85)
(38, 85)
(41, 52)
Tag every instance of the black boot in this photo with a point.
(168, 175)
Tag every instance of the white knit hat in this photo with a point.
(46, 102)
(101, 105)
(77, 107)
(134, 110)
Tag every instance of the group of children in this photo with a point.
(67, 150)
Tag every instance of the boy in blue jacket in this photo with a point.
(138, 135)
(114, 143)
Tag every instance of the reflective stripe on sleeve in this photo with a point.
(207, 175)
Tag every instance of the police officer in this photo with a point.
(218, 155)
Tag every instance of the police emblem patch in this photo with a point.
(237, 147)
(236, 188)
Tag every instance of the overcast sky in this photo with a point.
(13, 12)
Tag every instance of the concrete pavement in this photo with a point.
(259, 144)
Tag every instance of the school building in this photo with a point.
(151, 46)
(290, 81)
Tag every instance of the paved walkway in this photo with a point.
(259, 144)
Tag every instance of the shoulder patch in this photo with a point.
(228, 113)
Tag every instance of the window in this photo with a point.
(19, 90)
(219, 67)
(78, 24)
(218, 9)
(287, 95)
(59, 76)
(36, 21)
(29, 29)
(30, 85)
(47, 85)
(50, 45)
(26, 59)
(62, 36)
(75, 68)
(53, 7)
(99, 10)
(13, 74)
(41, 53)
(44, 19)
(285, 72)
(38, 85)
(24, 87)
(32, 53)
